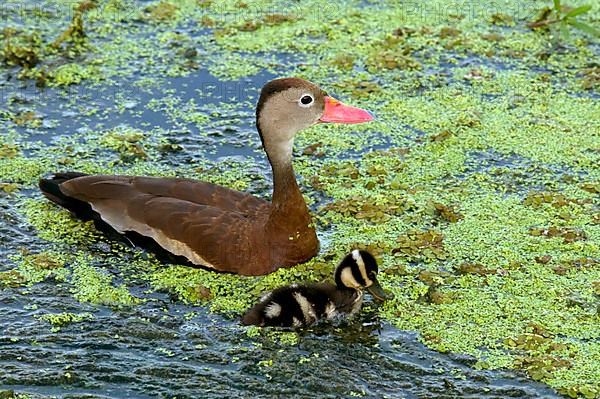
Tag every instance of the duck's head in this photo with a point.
(358, 270)
(289, 105)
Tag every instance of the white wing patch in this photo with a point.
(273, 310)
(120, 221)
(306, 307)
(264, 297)
(330, 310)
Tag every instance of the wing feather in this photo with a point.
(172, 212)
(202, 193)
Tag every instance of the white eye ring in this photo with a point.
(306, 97)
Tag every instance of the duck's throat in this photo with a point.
(287, 198)
(292, 234)
(286, 193)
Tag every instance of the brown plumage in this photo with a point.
(214, 226)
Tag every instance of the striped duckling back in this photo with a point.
(302, 305)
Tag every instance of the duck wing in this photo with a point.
(209, 225)
(194, 191)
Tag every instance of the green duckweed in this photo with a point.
(476, 187)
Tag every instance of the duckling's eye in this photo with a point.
(305, 101)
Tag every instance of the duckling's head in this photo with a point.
(358, 270)
(289, 105)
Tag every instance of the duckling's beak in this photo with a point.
(377, 291)
(338, 112)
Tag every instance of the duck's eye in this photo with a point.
(306, 100)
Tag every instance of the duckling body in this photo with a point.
(302, 305)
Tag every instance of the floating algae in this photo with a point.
(476, 186)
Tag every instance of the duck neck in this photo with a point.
(287, 198)
(289, 224)
(292, 236)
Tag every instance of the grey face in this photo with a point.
(286, 112)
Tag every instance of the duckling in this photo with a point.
(302, 305)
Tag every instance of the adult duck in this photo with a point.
(210, 225)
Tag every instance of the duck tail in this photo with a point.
(50, 187)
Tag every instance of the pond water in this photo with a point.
(161, 350)
(159, 88)
(156, 351)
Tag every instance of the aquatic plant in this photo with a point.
(561, 18)
(74, 36)
(20, 48)
(161, 11)
(8, 150)
(128, 143)
(38, 59)
(59, 320)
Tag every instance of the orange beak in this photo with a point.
(338, 112)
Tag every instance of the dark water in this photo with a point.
(156, 351)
